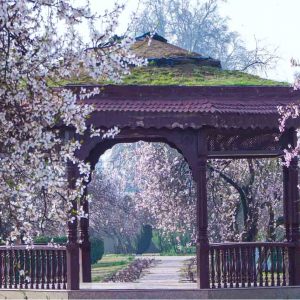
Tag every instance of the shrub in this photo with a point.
(173, 243)
(47, 239)
(97, 249)
(144, 239)
(97, 245)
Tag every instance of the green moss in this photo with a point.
(193, 75)
(190, 75)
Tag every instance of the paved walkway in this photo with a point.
(165, 274)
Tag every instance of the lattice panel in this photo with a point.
(243, 142)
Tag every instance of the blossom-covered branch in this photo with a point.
(41, 49)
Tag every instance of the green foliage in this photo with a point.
(97, 249)
(144, 239)
(109, 265)
(47, 239)
(171, 245)
(97, 245)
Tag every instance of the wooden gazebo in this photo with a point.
(203, 123)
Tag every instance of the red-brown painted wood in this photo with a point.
(43, 266)
(37, 268)
(238, 266)
(230, 268)
(181, 117)
(72, 244)
(283, 267)
(254, 270)
(212, 273)
(85, 245)
(43, 269)
(64, 277)
(255, 264)
(199, 173)
(59, 269)
(292, 210)
(218, 267)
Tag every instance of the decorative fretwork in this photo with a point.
(246, 141)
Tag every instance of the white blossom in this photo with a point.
(37, 59)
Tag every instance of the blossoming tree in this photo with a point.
(288, 112)
(41, 48)
(245, 196)
(112, 210)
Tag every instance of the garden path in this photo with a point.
(164, 274)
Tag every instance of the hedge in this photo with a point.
(97, 249)
(47, 239)
(97, 245)
(144, 239)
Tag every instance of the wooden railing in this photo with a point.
(249, 264)
(42, 267)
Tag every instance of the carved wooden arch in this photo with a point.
(200, 123)
(182, 140)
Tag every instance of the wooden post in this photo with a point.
(202, 222)
(287, 208)
(85, 245)
(72, 244)
(294, 226)
(291, 211)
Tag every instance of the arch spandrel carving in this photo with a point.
(184, 141)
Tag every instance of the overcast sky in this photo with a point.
(275, 22)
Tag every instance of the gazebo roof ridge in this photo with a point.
(260, 101)
(224, 91)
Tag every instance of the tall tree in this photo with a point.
(198, 27)
(245, 196)
(112, 209)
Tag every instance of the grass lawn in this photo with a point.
(109, 264)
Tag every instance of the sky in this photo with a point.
(274, 22)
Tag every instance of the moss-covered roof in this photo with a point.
(193, 75)
(190, 75)
(172, 65)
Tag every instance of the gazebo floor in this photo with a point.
(155, 293)
(153, 285)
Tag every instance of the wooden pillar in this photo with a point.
(287, 208)
(85, 245)
(202, 222)
(291, 211)
(72, 244)
(291, 180)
